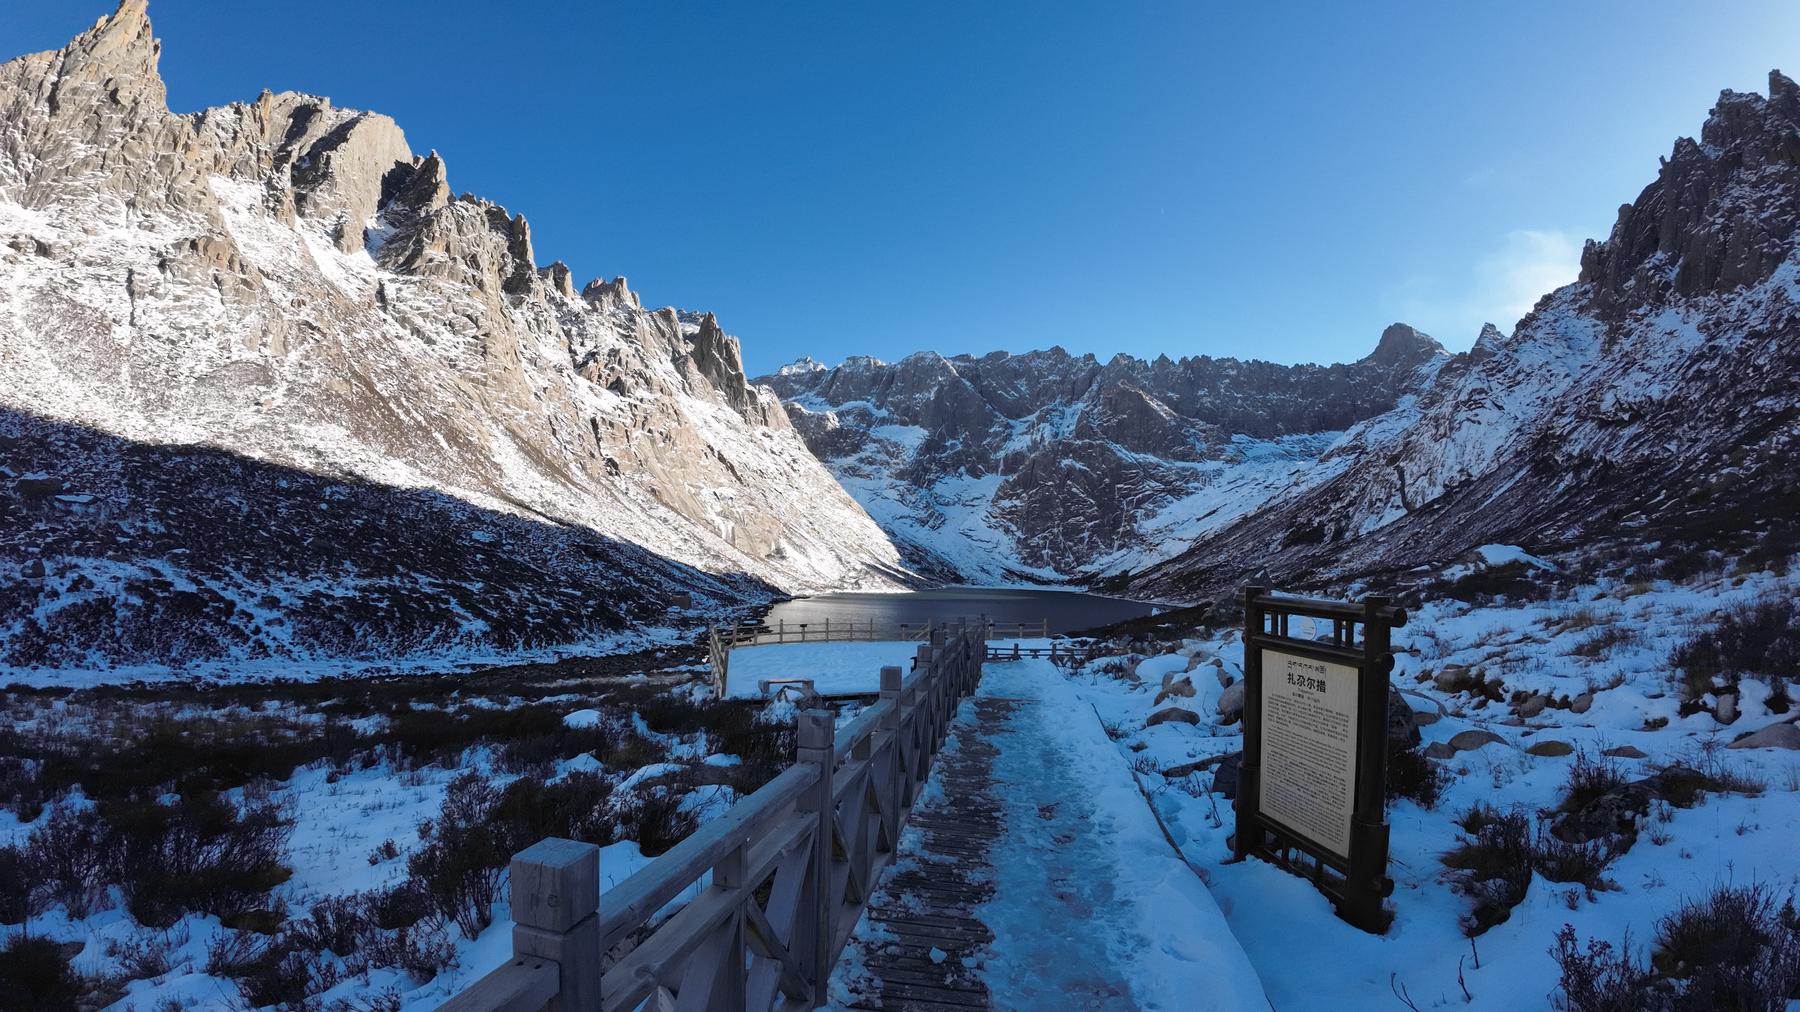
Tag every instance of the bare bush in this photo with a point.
(1411, 775)
(1761, 639)
(201, 853)
(1590, 778)
(35, 974)
(1599, 978)
(459, 868)
(64, 855)
(1496, 860)
(1733, 948)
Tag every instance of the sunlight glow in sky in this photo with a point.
(1149, 177)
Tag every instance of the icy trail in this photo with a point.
(1090, 908)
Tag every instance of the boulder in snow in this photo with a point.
(1726, 710)
(1782, 735)
(1182, 687)
(1474, 738)
(1231, 702)
(1172, 713)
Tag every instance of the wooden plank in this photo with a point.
(931, 903)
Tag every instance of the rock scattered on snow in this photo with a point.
(1474, 738)
(1727, 709)
(1782, 735)
(1402, 723)
(1170, 689)
(1190, 768)
(1231, 702)
(1550, 748)
(1617, 811)
(1172, 713)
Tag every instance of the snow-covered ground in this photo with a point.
(1084, 877)
(832, 667)
(1159, 918)
(1308, 959)
(312, 669)
(353, 825)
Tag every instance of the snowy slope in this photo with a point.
(285, 280)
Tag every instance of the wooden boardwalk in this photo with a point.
(928, 901)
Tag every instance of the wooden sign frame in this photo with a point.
(1345, 635)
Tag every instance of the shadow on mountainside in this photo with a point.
(115, 553)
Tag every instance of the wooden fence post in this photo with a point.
(890, 725)
(817, 734)
(555, 895)
(962, 658)
(730, 873)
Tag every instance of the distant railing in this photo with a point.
(792, 867)
(1060, 652)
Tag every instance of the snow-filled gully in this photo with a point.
(1074, 900)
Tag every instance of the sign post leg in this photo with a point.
(1249, 784)
(1368, 884)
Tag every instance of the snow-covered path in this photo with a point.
(1089, 906)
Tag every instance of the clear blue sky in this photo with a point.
(838, 178)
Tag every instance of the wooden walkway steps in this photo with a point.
(928, 901)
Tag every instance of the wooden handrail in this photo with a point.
(814, 841)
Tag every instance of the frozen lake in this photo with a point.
(1066, 611)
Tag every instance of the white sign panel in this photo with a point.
(1309, 747)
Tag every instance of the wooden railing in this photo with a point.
(1019, 630)
(791, 868)
(755, 634)
(1060, 652)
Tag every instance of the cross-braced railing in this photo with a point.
(783, 876)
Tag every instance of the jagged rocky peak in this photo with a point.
(97, 110)
(717, 357)
(1717, 216)
(1404, 345)
(802, 366)
(614, 294)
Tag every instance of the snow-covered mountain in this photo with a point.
(286, 282)
(1651, 405)
(1652, 401)
(1048, 467)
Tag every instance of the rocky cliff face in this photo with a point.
(1047, 466)
(287, 281)
(1651, 403)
